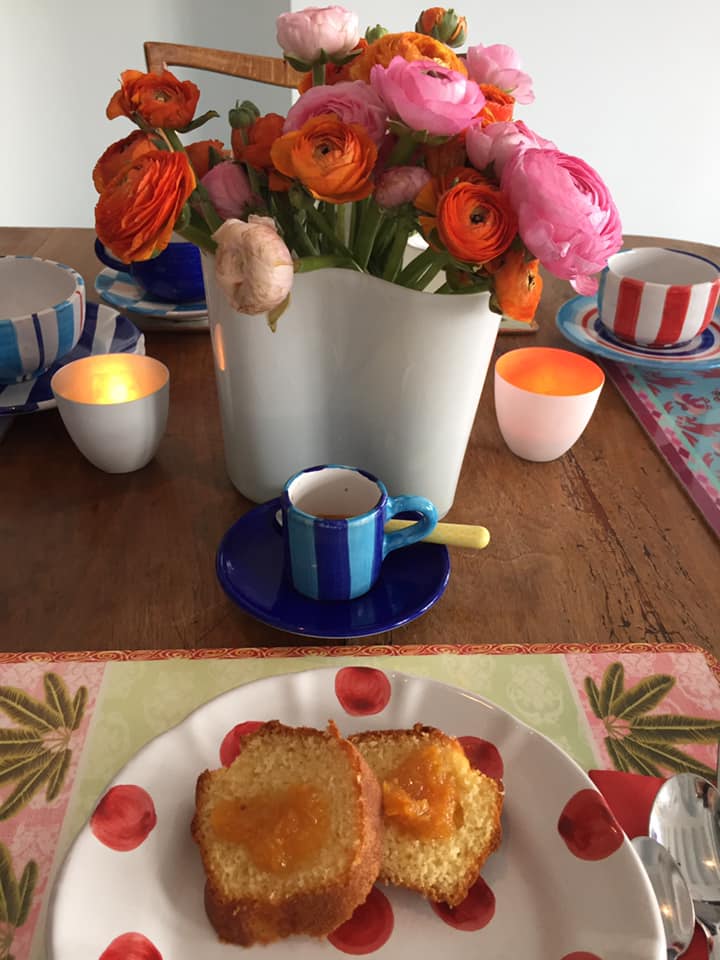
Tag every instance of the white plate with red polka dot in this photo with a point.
(564, 885)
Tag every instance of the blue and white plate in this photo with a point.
(579, 322)
(120, 290)
(250, 565)
(105, 331)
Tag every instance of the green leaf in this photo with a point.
(617, 758)
(199, 121)
(635, 761)
(26, 888)
(57, 696)
(675, 728)
(612, 686)
(25, 790)
(56, 774)
(18, 742)
(643, 697)
(28, 711)
(9, 892)
(672, 759)
(17, 767)
(593, 695)
(79, 703)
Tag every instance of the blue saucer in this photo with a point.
(250, 566)
(104, 331)
(578, 320)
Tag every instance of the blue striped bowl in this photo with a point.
(42, 312)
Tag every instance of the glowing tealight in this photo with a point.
(114, 407)
(544, 398)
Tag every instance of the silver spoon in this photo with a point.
(685, 819)
(671, 892)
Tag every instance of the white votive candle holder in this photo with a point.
(114, 406)
(544, 398)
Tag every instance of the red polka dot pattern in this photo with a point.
(581, 955)
(475, 912)
(483, 756)
(124, 817)
(588, 827)
(131, 946)
(362, 691)
(368, 928)
(232, 741)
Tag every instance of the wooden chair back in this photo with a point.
(271, 70)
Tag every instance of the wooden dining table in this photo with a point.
(602, 545)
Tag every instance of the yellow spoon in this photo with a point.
(451, 534)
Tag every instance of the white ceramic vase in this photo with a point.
(360, 372)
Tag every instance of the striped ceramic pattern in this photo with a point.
(121, 291)
(579, 321)
(655, 314)
(31, 344)
(105, 331)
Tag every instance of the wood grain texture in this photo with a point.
(600, 545)
(249, 66)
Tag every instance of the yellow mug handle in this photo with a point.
(450, 534)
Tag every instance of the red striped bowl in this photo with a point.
(657, 297)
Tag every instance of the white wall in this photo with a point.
(59, 65)
(631, 86)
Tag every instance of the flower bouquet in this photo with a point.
(394, 135)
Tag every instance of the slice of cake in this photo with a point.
(442, 818)
(290, 835)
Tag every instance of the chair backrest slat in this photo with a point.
(248, 66)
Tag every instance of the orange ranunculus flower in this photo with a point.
(261, 136)
(119, 155)
(334, 160)
(199, 154)
(159, 98)
(518, 284)
(138, 209)
(475, 222)
(444, 24)
(498, 105)
(444, 156)
(409, 46)
(428, 198)
(334, 72)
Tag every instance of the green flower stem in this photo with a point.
(393, 264)
(306, 264)
(251, 171)
(367, 231)
(432, 271)
(318, 74)
(415, 269)
(340, 223)
(321, 223)
(402, 151)
(445, 288)
(199, 238)
(293, 232)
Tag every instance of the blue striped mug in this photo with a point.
(334, 520)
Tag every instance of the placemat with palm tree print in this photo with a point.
(69, 722)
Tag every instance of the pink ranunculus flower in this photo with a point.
(351, 101)
(497, 143)
(400, 185)
(229, 189)
(566, 216)
(427, 96)
(500, 65)
(253, 266)
(306, 34)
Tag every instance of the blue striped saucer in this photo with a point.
(104, 331)
(121, 291)
(250, 566)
